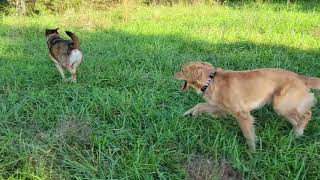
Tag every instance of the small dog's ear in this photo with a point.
(47, 31)
(56, 29)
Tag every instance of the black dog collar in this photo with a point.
(211, 78)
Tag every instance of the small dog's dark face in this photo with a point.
(52, 31)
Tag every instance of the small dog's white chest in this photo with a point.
(75, 56)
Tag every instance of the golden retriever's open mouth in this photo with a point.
(184, 86)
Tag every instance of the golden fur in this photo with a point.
(239, 92)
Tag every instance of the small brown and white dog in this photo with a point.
(239, 92)
(64, 53)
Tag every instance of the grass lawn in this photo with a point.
(123, 119)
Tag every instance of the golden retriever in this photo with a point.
(239, 92)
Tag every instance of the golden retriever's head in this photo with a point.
(194, 74)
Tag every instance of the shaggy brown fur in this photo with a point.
(64, 53)
(239, 92)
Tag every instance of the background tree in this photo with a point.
(21, 4)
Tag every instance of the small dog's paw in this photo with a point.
(70, 80)
(67, 79)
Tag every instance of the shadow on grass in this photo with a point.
(127, 92)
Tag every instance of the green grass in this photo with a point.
(123, 119)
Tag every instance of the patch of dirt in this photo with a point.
(228, 172)
(73, 130)
(316, 32)
(202, 168)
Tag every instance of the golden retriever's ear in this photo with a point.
(206, 64)
(179, 76)
(47, 32)
(199, 72)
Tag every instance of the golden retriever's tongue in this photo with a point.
(184, 86)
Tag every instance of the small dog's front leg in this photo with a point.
(60, 70)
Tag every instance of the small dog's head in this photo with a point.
(194, 74)
(51, 32)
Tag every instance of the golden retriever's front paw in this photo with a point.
(187, 114)
(190, 112)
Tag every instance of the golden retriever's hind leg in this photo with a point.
(294, 104)
(298, 131)
(246, 124)
(300, 121)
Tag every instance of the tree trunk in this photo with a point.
(17, 7)
(23, 7)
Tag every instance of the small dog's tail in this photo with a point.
(311, 82)
(75, 40)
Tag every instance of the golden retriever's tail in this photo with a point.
(75, 40)
(311, 82)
